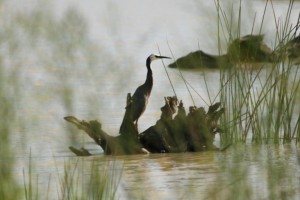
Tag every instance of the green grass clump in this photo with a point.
(261, 101)
(256, 172)
(9, 189)
(9, 93)
(90, 180)
(79, 178)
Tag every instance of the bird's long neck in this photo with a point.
(149, 80)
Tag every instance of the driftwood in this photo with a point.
(110, 145)
(190, 132)
(185, 132)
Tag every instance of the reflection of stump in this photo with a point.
(194, 131)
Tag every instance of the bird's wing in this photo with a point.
(139, 102)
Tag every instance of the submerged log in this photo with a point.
(190, 132)
(80, 152)
(111, 145)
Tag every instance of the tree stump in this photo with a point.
(190, 132)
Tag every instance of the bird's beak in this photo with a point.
(163, 57)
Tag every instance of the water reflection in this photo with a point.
(240, 172)
(253, 172)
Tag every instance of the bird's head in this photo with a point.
(155, 57)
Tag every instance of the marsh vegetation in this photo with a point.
(51, 67)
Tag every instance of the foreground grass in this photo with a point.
(9, 93)
(256, 172)
(78, 178)
(9, 189)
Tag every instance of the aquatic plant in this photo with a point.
(261, 103)
(89, 180)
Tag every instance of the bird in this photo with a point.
(142, 93)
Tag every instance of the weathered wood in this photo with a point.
(194, 131)
(111, 145)
(80, 152)
(127, 128)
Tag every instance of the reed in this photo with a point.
(9, 93)
(89, 180)
(9, 189)
(261, 103)
(238, 180)
(30, 190)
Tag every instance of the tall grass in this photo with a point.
(30, 189)
(9, 94)
(80, 178)
(9, 189)
(261, 103)
(89, 180)
(256, 172)
(36, 41)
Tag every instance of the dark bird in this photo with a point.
(142, 93)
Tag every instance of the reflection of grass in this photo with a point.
(256, 172)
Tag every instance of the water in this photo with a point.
(252, 172)
(122, 35)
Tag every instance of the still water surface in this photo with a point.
(127, 33)
(241, 172)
